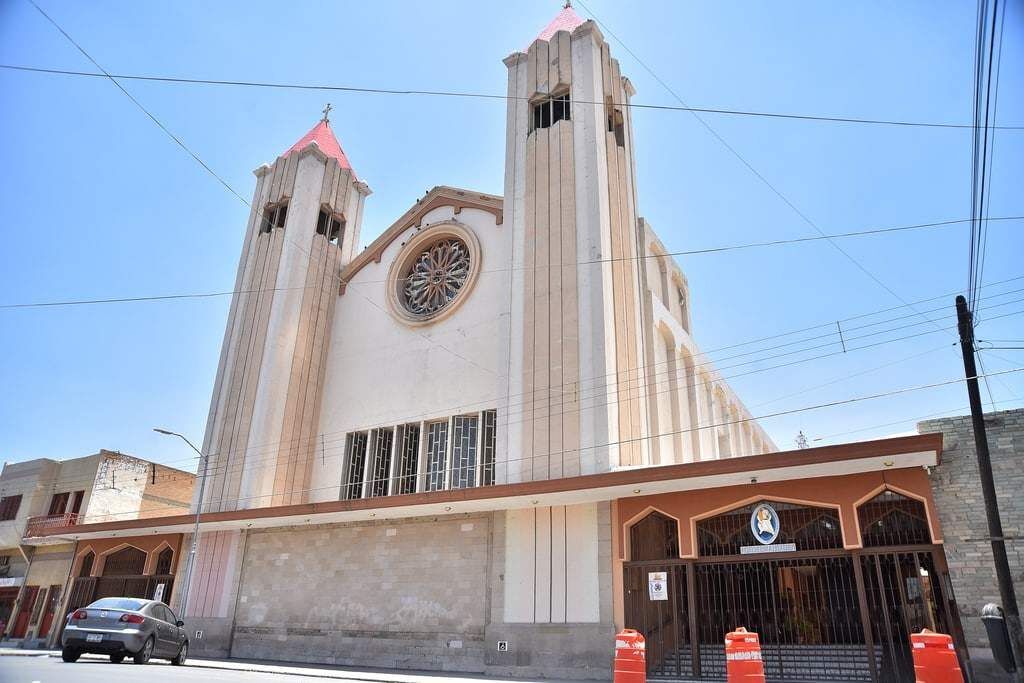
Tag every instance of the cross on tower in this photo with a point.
(327, 110)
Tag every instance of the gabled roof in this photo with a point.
(567, 20)
(323, 136)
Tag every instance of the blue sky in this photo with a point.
(98, 202)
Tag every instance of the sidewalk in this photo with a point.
(311, 670)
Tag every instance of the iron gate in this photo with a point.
(835, 616)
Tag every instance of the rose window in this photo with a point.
(436, 276)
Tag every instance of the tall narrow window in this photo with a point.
(86, 567)
(437, 455)
(488, 443)
(356, 448)
(551, 111)
(408, 452)
(163, 562)
(380, 465)
(274, 217)
(616, 123)
(464, 450)
(76, 502)
(330, 225)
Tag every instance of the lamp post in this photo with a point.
(199, 507)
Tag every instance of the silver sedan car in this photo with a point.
(125, 627)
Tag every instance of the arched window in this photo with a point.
(125, 562)
(893, 519)
(807, 527)
(163, 562)
(655, 537)
(86, 567)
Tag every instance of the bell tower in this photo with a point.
(303, 228)
(570, 193)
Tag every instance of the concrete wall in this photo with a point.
(382, 372)
(408, 594)
(957, 492)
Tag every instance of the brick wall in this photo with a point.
(957, 490)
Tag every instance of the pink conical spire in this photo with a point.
(567, 20)
(323, 136)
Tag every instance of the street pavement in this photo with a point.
(41, 666)
(46, 669)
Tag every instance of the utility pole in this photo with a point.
(965, 324)
(191, 565)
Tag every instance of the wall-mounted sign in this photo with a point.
(158, 594)
(773, 548)
(764, 523)
(10, 581)
(657, 585)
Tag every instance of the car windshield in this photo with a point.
(117, 603)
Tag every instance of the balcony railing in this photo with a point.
(36, 525)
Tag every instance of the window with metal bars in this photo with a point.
(488, 442)
(381, 441)
(893, 519)
(9, 507)
(355, 447)
(163, 562)
(808, 527)
(274, 216)
(86, 567)
(551, 111)
(437, 455)
(408, 454)
(464, 455)
(655, 537)
(330, 225)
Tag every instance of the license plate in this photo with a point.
(93, 637)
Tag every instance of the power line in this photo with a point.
(620, 442)
(690, 252)
(486, 96)
(747, 164)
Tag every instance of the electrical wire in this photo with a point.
(485, 96)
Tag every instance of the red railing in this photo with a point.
(35, 525)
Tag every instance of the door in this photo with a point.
(53, 604)
(28, 601)
(166, 631)
(59, 503)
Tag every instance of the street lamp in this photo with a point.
(199, 507)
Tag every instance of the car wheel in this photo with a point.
(70, 656)
(182, 653)
(143, 655)
(117, 659)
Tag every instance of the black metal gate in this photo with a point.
(821, 616)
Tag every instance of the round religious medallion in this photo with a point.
(764, 523)
(433, 273)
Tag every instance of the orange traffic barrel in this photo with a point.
(935, 659)
(630, 657)
(743, 657)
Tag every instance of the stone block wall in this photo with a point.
(957, 490)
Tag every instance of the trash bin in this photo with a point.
(998, 636)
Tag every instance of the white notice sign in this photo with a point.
(158, 594)
(657, 585)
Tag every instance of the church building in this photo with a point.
(469, 445)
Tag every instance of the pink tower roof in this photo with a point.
(567, 20)
(323, 136)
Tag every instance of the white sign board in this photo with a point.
(158, 594)
(657, 585)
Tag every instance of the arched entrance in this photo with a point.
(823, 612)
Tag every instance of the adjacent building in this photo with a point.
(39, 498)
